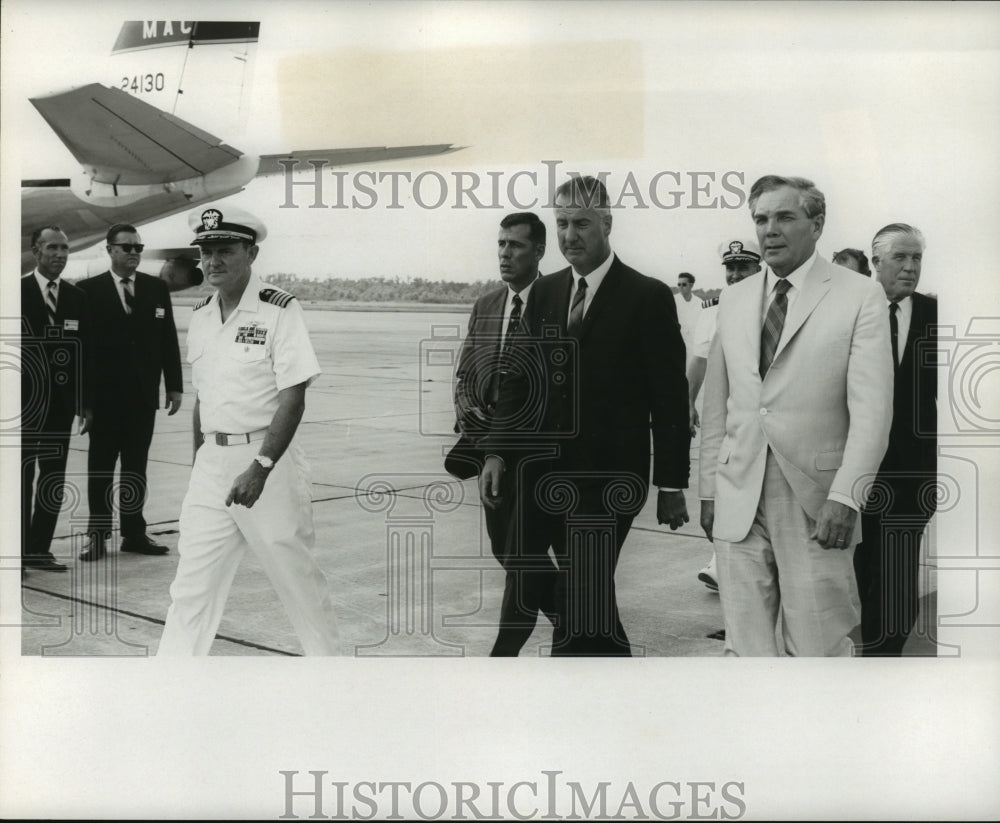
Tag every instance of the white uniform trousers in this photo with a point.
(213, 538)
(777, 571)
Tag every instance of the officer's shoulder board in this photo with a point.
(712, 301)
(204, 302)
(276, 296)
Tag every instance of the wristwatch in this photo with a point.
(266, 462)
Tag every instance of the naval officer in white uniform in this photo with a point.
(251, 362)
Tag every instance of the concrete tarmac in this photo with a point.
(376, 425)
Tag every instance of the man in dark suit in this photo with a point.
(54, 389)
(134, 343)
(887, 562)
(529, 586)
(604, 363)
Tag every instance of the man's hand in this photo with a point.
(671, 509)
(489, 482)
(708, 518)
(695, 420)
(86, 421)
(173, 402)
(835, 525)
(248, 486)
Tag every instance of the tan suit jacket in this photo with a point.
(824, 408)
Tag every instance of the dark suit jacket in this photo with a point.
(55, 360)
(600, 394)
(132, 351)
(911, 458)
(478, 360)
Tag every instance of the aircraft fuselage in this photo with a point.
(86, 209)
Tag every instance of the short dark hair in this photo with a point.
(858, 255)
(686, 275)
(37, 233)
(588, 192)
(810, 198)
(536, 228)
(118, 228)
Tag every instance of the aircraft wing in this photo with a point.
(84, 223)
(346, 157)
(122, 140)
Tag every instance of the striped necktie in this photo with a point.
(129, 296)
(51, 297)
(770, 334)
(576, 309)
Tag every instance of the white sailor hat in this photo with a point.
(733, 251)
(224, 222)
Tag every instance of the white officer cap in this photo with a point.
(737, 250)
(224, 222)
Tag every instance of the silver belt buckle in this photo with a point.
(222, 439)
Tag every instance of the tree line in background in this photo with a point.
(383, 289)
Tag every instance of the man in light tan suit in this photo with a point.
(796, 415)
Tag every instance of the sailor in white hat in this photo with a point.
(251, 362)
(741, 258)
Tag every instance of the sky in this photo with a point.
(890, 109)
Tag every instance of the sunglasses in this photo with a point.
(128, 248)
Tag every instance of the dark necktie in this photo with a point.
(576, 309)
(770, 334)
(894, 333)
(514, 322)
(129, 296)
(51, 296)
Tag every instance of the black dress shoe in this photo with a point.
(143, 545)
(95, 551)
(45, 564)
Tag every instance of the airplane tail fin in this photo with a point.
(199, 71)
(122, 140)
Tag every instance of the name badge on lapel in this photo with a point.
(71, 325)
(161, 312)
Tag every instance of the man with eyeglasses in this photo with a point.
(134, 344)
